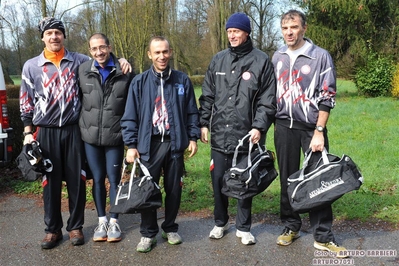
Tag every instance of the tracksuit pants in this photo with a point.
(162, 161)
(290, 143)
(220, 163)
(64, 147)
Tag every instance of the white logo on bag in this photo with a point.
(326, 186)
(123, 196)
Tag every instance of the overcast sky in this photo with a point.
(63, 4)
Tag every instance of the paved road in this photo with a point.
(21, 230)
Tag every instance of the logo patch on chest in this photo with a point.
(246, 75)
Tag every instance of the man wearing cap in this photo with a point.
(50, 103)
(238, 98)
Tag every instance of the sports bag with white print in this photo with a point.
(320, 184)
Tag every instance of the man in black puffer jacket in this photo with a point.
(104, 88)
(238, 97)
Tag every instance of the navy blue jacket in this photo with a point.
(182, 111)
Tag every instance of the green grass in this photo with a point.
(16, 79)
(366, 129)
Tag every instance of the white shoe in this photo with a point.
(246, 237)
(114, 232)
(173, 238)
(100, 233)
(146, 244)
(218, 231)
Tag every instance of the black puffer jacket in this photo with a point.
(102, 105)
(238, 94)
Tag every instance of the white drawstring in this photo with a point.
(162, 129)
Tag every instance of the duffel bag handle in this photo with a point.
(308, 154)
(136, 161)
(143, 168)
(240, 144)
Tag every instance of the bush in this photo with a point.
(197, 80)
(375, 78)
(395, 83)
(12, 91)
(15, 122)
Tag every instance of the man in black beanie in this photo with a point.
(50, 107)
(51, 23)
(238, 98)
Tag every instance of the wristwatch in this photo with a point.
(320, 128)
(27, 133)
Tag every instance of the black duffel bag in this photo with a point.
(140, 194)
(320, 184)
(252, 175)
(32, 163)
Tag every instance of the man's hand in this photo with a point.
(28, 139)
(125, 65)
(255, 135)
(131, 155)
(317, 143)
(204, 135)
(192, 148)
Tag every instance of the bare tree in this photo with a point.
(263, 15)
(195, 28)
(218, 13)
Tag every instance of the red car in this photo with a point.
(6, 132)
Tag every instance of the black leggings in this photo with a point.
(104, 161)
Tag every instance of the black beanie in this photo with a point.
(239, 21)
(51, 23)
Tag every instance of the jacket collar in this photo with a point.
(116, 62)
(308, 53)
(162, 75)
(243, 48)
(43, 60)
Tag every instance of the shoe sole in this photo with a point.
(100, 239)
(77, 242)
(215, 237)
(174, 243)
(110, 240)
(284, 243)
(50, 247)
(144, 251)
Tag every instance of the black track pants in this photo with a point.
(64, 147)
(290, 143)
(161, 159)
